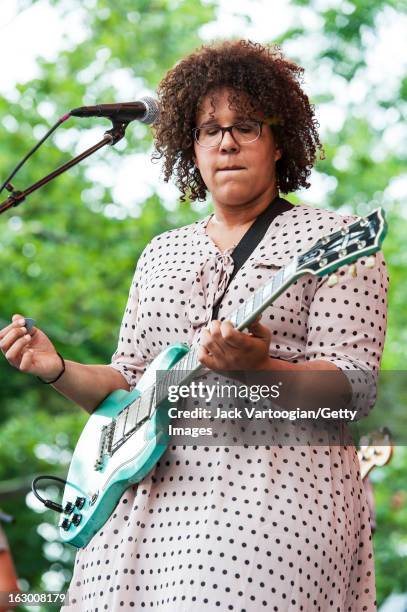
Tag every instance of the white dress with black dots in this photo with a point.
(243, 528)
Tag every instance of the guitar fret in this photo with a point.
(119, 427)
(258, 299)
(249, 305)
(172, 376)
(243, 311)
(234, 317)
(188, 363)
(268, 289)
(146, 401)
(143, 411)
(195, 363)
(170, 379)
(290, 269)
(238, 316)
(190, 360)
(183, 365)
(162, 385)
(153, 402)
(166, 382)
(132, 417)
(179, 374)
(262, 294)
(278, 279)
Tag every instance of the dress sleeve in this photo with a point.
(347, 326)
(127, 359)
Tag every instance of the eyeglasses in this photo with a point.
(243, 132)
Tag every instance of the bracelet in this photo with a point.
(49, 382)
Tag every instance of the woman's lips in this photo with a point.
(231, 169)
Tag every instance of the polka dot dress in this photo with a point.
(243, 528)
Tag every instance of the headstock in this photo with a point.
(362, 238)
(376, 449)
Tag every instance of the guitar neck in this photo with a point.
(346, 245)
(187, 367)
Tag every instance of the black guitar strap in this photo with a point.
(252, 238)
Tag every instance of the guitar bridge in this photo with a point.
(105, 445)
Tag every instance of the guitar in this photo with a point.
(376, 449)
(128, 433)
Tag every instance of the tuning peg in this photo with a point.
(353, 271)
(332, 280)
(370, 261)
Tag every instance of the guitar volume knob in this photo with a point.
(79, 502)
(65, 524)
(76, 519)
(68, 509)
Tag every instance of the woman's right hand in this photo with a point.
(32, 353)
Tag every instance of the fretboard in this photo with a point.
(183, 370)
(187, 367)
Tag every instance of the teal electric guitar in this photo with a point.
(128, 433)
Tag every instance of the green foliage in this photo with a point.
(390, 541)
(68, 262)
(65, 260)
(360, 184)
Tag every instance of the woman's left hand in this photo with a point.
(223, 347)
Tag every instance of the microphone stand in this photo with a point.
(111, 137)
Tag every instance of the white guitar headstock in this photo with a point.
(361, 238)
(376, 449)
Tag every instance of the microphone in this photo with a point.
(145, 110)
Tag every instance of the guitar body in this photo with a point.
(99, 490)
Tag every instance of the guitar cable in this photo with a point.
(48, 503)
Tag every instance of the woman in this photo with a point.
(243, 527)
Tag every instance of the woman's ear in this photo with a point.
(278, 152)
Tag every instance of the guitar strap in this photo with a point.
(252, 238)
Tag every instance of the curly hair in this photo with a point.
(261, 80)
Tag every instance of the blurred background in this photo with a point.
(68, 253)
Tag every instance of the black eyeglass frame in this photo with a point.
(229, 128)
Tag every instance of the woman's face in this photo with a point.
(235, 174)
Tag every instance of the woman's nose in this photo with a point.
(228, 142)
